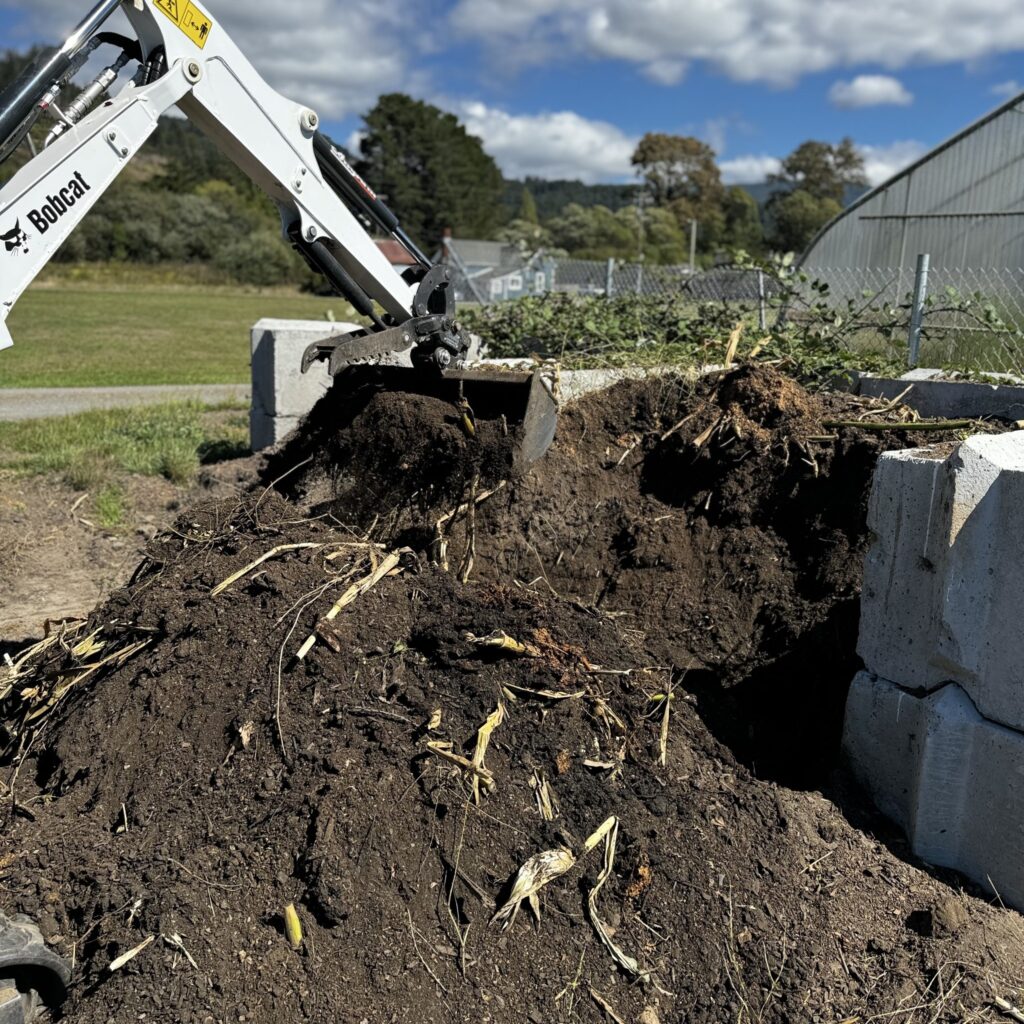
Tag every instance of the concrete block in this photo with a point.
(948, 399)
(281, 394)
(981, 638)
(942, 600)
(952, 780)
(904, 570)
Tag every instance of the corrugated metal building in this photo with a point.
(963, 204)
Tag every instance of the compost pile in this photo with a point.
(623, 721)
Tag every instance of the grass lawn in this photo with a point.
(94, 335)
(91, 449)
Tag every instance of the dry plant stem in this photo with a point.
(1007, 1009)
(734, 344)
(483, 739)
(889, 406)
(606, 1007)
(469, 558)
(463, 509)
(663, 738)
(117, 964)
(930, 425)
(386, 567)
(273, 553)
(626, 962)
(416, 946)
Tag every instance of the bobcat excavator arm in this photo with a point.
(185, 58)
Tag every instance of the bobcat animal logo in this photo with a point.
(15, 240)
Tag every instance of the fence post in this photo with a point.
(762, 315)
(917, 313)
(609, 282)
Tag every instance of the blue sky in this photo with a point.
(565, 87)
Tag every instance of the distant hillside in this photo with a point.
(764, 190)
(553, 197)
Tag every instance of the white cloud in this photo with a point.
(1007, 90)
(870, 91)
(775, 41)
(882, 162)
(551, 145)
(337, 55)
(749, 170)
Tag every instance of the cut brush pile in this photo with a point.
(298, 771)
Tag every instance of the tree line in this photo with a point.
(181, 201)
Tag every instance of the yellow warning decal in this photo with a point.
(196, 25)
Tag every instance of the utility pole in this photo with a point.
(693, 246)
(643, 200)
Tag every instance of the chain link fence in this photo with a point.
(969, 319)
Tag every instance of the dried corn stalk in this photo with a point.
(446, 752)
(626, 962)
(273, 553)
(499, 641)
(665, 701)
(547, 800)
(386, 567)
(127, 958)
(483, 739)
(545, 695)
(536, 873)
(540, 871)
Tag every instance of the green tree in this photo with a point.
(743, 227)
(594, 233)
(528, 208)
(527, 236)
(430, 170)
(823, 170)
(679, 167)
(682, 175)
(798, 216)
(663, 240)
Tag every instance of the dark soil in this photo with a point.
(382, 459)
(198, 789)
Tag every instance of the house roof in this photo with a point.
(396, 253)
(479, 253)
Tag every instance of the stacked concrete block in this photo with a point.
(281, 393)
(953, 780)
(935, 727)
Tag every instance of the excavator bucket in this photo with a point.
(520, 399)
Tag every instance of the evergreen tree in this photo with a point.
(798, 216)
(822, 170)
(743, 227)
(528, 208)
(430, 170)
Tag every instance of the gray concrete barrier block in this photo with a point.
(950, 778)
(946, 399)
(981, 640)
(281, 393)
(904, 570)
(943, 590)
